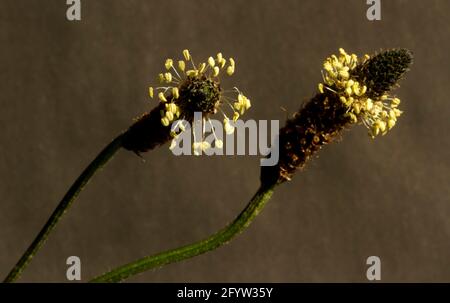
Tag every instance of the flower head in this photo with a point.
(188, 87)
(185, 88)
(367, 101)
(353, 91)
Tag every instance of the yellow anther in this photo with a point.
(169, 115)
(348, 91)
(355, 88)
(376, 130)
(320, 88)
(211, 61)
(168, 77)
(201, 68)
(192, 73)
(181, 65)
(165, 121)
(391, 123)
(230, 70)
(175, 93)
(392, 114)
(363, 90)
(369, 104)
(186, 55)
(222, 62)
(247, 103)
(382, 126)
(219, 57)
(216, 71)
(327, 66)
(150, 92)
(353, 117)
(162, 97)
(170, 107)
(356, 108)
(344, 74)
(235, 116)
(169, 63)
(397, 112)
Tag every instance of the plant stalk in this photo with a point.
(106, 154)
(241, 222)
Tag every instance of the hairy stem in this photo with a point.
(223, 236)
(106, 154)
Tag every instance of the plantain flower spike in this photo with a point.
(353, 91)
(186, 88)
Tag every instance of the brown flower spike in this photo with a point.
(353, 92)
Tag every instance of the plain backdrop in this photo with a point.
(68, 88)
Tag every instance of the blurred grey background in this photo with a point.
(68, 88)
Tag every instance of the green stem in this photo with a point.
(242, 221)
(103, 157)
